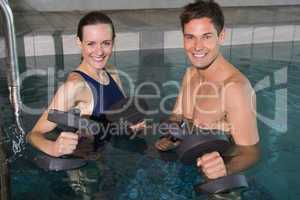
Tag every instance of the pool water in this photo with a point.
(132, 169)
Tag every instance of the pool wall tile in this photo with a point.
(241, 51)
(71, 61)
(30, 62)
(58, 21)
(127, 59)
(112, 59)
(127, 64)
(284, 33)
(151, 40)
(58, 43)
(69, 44)
(127, 41)
(44, 45)
(148, 55)
(228, 36)
(226, 51)
(173, 39)
(45, 62)
(29, 45)
(20, 46)
(297, 33)
(262, 51)
(2, 48)
(178, 58)
(37, 23)
(296, 54)
(263, 34)
(282, 51)
(242, 35)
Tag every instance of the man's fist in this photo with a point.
(212, 165)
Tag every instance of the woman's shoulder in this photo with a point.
(111, 69)
(75, 77)
(74, 81)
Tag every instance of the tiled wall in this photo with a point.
(40, 45)
(280, 39)
(67, 5)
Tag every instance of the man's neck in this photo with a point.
(214, 69)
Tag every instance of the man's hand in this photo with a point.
(66, 143)
(212, 165)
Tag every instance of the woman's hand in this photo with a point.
(138, 126)
(136, 129)
(212, 165)
(66, 143)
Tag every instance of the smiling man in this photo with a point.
(214, 94)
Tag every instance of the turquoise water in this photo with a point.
(132, 169)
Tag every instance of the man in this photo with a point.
(214, 94)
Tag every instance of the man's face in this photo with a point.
(202, 42)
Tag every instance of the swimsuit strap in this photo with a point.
(104, 95)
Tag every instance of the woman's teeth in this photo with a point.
(98, 58)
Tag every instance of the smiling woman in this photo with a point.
(96, 45)
(91, 87)
(95, 40)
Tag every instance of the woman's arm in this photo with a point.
(64, 99)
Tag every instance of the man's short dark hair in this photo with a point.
(201, 9)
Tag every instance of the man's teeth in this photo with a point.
(199, 55)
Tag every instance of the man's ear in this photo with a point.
(222, 36)
(78, 42)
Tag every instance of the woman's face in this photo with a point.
(96, 45)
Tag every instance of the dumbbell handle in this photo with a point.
(72, 122)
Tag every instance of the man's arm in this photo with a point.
(243, 158)
(240, 108)
(177, 115)
(184, 102)
(240, 105)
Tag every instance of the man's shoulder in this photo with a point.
(238, 86)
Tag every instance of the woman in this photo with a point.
(90, 87)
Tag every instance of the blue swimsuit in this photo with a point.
(104, 97)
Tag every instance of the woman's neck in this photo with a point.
(99, 75)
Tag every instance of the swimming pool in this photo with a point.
(132, 169)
